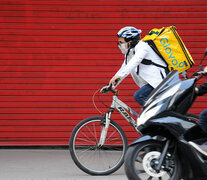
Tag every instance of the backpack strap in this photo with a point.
(126, 56)
(150, 62)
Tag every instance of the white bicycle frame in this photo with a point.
(123, 109)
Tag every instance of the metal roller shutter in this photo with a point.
(55, 54)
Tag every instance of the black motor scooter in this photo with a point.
(171, 143)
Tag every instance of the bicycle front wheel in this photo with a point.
(88, 155)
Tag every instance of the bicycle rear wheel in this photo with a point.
(86, 153)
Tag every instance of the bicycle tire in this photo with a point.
(102, 160)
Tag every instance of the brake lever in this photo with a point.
(108, 87)
(105, 89)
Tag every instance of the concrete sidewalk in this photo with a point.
(45, 164)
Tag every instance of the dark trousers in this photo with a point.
(141, 95)
(203, 120)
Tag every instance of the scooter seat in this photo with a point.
(200, 148)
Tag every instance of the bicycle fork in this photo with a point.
(105, 129)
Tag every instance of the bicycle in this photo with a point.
(98, 138)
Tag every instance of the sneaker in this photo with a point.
(201, 148)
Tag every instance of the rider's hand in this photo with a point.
(114, 80)
(205, 69)
(104, 89)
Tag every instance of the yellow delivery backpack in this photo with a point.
(168, 45)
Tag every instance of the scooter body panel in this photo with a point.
(163, 119)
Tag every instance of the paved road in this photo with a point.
(41, 164)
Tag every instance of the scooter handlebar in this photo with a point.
(198, 73)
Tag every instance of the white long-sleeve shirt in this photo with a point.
(147, 74)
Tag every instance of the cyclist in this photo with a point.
(147, 77)
(201, 90)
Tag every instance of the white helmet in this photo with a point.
(129, 33)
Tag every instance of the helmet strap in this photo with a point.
(129, 45)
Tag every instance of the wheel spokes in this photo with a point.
(87, 153)
(140, 169)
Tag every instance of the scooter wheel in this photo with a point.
(142, 158)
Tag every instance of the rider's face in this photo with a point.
(123, 45)
(122, 41)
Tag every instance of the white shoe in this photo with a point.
(201, 148)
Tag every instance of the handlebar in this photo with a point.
(109, 88)
(198, 73)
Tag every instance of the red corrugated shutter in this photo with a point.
(55, 54)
